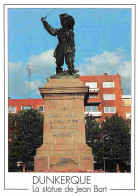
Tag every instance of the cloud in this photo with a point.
(34, 84)
(111, 63)
(16, 77)
(15, 67)
(42, 63)
(33, 87)
(42, 66)
(125, 70)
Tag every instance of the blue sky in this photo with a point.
(102, 37)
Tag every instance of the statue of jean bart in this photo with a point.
(66, 46)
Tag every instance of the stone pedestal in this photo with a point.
(64, 142)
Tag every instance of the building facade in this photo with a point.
(126, 104)
(105, 98)
(15, 105)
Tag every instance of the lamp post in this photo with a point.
(104, 158)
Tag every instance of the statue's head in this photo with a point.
(67, 20)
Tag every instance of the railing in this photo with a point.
(91, 90)
(94, 113)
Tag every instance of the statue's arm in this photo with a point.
(49, 29)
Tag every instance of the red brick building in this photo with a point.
(16, 105)
(105, 98)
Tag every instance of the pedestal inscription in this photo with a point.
(64, 144)
(64, 121)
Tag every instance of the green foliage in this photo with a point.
(93, 132)
(25, 134)
(116, 138)
(111, 139)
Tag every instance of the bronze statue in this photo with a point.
(66, 46)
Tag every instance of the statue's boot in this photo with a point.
(59, 69)
(71, 68)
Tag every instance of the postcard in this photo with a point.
(69, 72)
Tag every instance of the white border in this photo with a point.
(24, 180)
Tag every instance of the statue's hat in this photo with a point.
(69, 19)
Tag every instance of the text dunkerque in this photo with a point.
(62, 180)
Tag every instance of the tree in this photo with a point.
(93, 132)
(25, 135)
(116, 139)
(111, 141)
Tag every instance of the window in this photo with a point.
(108, 84)
(128, 115)
(126, 102)
(93, 96)
(91, 108)
(41, 108)
(27, 107)
(109, 96)
(12, 109)
(91, 84)
(109, 109)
